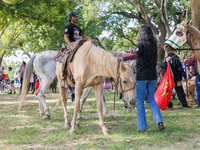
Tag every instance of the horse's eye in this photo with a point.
(124, 82)
(179, 33)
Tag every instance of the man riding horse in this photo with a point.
(71, 34)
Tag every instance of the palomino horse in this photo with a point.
(44, 66)
(89, 66)
(186, 33)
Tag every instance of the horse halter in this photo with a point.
(120, 81)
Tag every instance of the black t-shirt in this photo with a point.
(143, 70)
(73, 31)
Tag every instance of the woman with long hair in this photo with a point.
(146, 55)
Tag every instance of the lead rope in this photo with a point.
(116, 86)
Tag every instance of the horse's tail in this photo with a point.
(26, 81)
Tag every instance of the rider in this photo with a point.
(71, 34)
(72, 31)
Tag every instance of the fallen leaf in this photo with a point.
(128, 140)
(180, 140)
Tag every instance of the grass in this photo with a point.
(27, 130)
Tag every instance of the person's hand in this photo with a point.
(120, 58)
(96, 42)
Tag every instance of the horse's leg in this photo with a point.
(98, 94)
(42, 113)
(78, 90)
(105, 108)
(84, 96)
(43, 86)
(63, 102)
(58, 102)
(63, 98)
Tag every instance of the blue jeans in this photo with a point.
(146, 87)
(197, 84)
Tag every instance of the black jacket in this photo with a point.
(176, 66)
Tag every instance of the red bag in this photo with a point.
(164, 91)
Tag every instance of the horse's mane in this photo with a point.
(99, 60)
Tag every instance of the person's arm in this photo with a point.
(130, 57)
(89, 38)
(66, 37)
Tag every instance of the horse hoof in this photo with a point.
(106, 132)
(110, 115)
(72, 132)
(46, 117)
(68, 125)
(80, 118)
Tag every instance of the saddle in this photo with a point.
(67, 54)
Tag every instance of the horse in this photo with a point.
(188, 34)
(88, 67)
(44, 65)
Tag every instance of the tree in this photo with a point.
(32, 25)
(195, 13)
(161, 15)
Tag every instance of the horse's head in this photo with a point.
(126, 83)
(179, 36)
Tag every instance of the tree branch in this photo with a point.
(7, 4)
(130, 2)
(4, 30)
(15, 37)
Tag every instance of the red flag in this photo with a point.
(164, 91)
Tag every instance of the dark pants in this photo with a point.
(181, 96)
(197, 84)
(21, 80)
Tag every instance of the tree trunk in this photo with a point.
(1, 57)
(195, 13)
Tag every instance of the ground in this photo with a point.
(27, 129)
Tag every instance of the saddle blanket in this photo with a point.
(59, 57)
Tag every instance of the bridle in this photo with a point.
(188, 36)
(118, 80)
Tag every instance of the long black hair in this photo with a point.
(148, 40)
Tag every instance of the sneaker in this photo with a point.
(142, 131)
(10, 92)
(14, 92)
(161, 126)
(187, 107)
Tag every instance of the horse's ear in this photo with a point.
(122, 66)
(131, 65)
(188, 22)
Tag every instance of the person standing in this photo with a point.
(146, 75)
(178, 72)
(11, 77)
(22, 74)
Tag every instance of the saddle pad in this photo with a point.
(59, 57)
